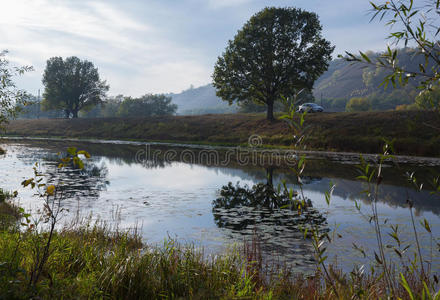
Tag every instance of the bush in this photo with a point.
(407, 107)
(147, 105)
(429, 99)
(358, 104)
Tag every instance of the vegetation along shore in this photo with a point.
(414, 132)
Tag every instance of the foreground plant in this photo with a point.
(52, 196)
(10, 95)
(417, 24)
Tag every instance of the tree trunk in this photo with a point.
(67, 113)
(75, 113)
(269, 175)
(270, 110)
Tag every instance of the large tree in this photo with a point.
(278, 51)
(72, 85)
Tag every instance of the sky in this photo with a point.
(157, 46)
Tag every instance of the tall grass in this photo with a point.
(93, 261)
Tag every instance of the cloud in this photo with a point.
(132, 55)
(152, 46)
(226, 3)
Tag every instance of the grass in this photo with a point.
(415, 132)
(91, 261)
(10, 214)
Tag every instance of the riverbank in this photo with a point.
(94, 261)
(415, 132)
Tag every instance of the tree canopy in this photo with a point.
(113, 107)
(277, 51)
(10, 96)
(72, 85)
(147, 105)
(358, 104)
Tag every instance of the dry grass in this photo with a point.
(415, 132)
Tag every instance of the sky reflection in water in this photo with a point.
(176, 200)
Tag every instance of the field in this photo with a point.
(415, 132)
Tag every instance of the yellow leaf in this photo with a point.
(50, 190)
(85, 153)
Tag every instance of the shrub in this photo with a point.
(358, 104)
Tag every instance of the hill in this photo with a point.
(341, 82)
(201, 100)
(344, 80)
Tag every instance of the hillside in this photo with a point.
(201, 100)
(342, 81)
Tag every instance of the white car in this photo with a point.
(310, 107)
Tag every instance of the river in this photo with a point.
(170, 192)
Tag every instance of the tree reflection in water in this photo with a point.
(78, 183)
(272, 215)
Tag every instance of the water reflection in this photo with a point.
(86, 183)
(317, 176)
(240, 208)
(172, 198)
(271, 214)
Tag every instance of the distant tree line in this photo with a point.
(118, 106)
(73, 88)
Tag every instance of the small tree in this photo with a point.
(358, 104)
(277, 51)
(11, 98)
(72, 85)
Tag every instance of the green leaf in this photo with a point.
(426, 289)
(365, 57)
(377, 258)
(71, 151)
(426, 225)
(406, 286)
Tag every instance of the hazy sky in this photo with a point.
(157, 46)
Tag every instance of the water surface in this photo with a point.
(170, 198)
